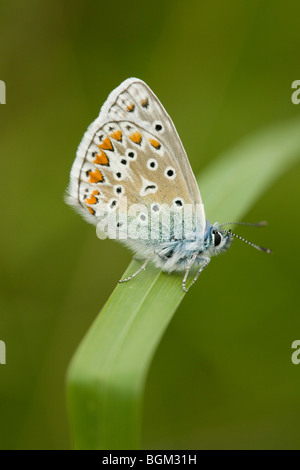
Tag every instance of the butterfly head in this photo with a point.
(218, 240)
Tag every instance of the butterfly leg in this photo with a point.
(138, 271)
(206, 263)
(190, 264)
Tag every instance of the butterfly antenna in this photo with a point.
(263, 223)
(260, 248)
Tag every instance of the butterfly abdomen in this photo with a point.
(175, 256)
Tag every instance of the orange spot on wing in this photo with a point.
(136, 137)
(145, 103)
(96, 176)
(91, 200)
(154, 143)
(106, 144)
(91, 210)
(130, 107)
(101, 158)
(117, 135)
(95, 193)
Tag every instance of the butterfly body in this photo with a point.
(175, 255)
(132, 179)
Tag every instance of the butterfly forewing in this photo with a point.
(138, 103)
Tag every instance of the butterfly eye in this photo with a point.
(218, 237)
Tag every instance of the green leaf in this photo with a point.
(106, 377)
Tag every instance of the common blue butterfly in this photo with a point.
(132, 178)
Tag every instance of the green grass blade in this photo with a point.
(108, 371)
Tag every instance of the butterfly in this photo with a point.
(133, 180)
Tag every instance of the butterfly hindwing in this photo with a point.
(132, 149)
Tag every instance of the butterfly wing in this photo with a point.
(132, 149)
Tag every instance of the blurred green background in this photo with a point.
(222, 376)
